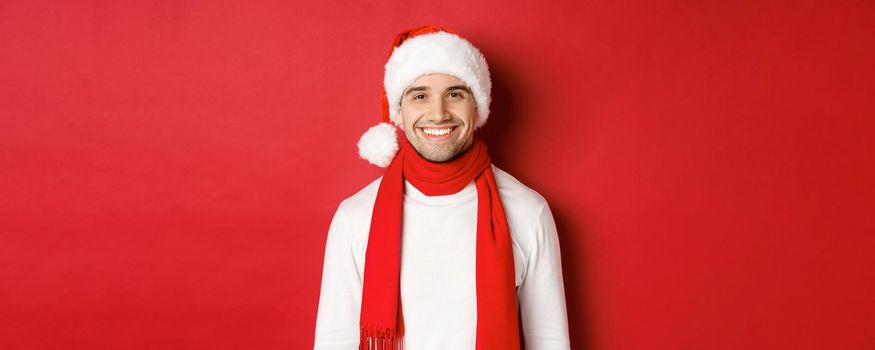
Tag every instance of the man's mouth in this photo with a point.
(438, 133)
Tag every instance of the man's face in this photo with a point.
(438, 113)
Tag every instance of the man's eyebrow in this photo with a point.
(459, 87)
(425, 88)
(416, 88)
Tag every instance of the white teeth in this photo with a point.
(436, 132)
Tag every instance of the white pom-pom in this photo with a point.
(379, 144)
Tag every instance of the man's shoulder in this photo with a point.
(515, 194)
(524, 209)
(361, 202)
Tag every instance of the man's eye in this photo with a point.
(456, 94)
(418, 96)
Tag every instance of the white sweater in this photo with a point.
(438, 294)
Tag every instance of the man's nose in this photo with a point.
(439, 112)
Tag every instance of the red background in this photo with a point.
(168, 170)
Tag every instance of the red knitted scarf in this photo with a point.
(382, 324)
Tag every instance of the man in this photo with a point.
(444, 249)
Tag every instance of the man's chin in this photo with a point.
(438, 154)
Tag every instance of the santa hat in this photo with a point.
(423, 50)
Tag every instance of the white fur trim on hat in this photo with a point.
(438, 52)
(379, 144)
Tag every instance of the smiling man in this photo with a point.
(438, 115)
(445, 251)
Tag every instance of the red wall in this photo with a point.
(168, 171)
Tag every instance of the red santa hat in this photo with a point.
(415, 52)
